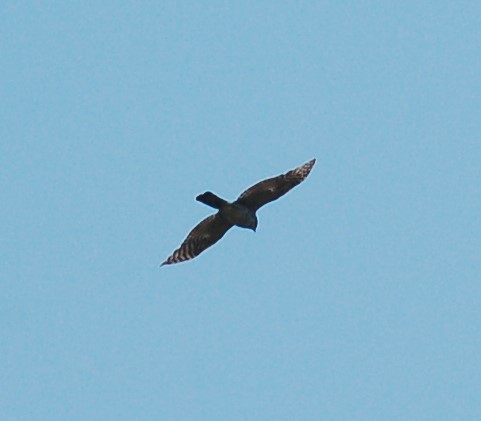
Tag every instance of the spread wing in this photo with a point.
(271, 189)
(204, 235)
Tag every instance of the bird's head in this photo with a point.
(253, 223)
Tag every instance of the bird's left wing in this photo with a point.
(271, 189)
(202, 236)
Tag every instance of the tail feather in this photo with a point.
(210, 199)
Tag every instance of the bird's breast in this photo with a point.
(237, 214)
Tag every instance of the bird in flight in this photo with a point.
(241, 213)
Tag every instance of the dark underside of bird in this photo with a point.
(241, 212)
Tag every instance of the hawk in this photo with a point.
(241, 213)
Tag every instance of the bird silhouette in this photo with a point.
(241, 212)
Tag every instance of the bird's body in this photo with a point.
(235, 213)
(241, 213)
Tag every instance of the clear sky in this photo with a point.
(359, 296)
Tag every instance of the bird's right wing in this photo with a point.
(204, 235)
(271, 189)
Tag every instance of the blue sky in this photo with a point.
(359, 295)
